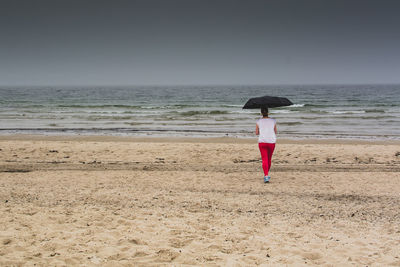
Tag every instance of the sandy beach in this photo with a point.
(119, 201)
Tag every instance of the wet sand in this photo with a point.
(115, 201)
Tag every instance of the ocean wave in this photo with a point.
(231, 118)
(178, 118)
(99, 118)
(247, 111)
(136, 123)
(290, 123)
(17, 106)
(282, 111)
(197, 112)
(376, 117)
(375, 111)
(232, 106)
(100, 106)
(179, 106)
(347, 111)
(392, 121)
(297, 106)
(310, 118)
(315, 105)
(31, 111)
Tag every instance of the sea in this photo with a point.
(362, 112)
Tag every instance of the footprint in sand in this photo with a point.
(140, 254)
(312, 255)
(167, 255)
(136, 241)
(179, 242)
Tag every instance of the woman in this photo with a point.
(266, 131)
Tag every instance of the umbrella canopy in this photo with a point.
(267, 101)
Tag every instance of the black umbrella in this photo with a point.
(267, 101)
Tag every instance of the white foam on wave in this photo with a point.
(246, 111)
(297, 106)
(148, 107)
(283, 111)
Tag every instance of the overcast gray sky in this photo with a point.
(198, 42)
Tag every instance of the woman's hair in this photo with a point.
(264, 111)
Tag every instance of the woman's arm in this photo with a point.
(276, 131)
(257, 130)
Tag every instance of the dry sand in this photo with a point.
(175, 202)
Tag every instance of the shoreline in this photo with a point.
(176, 139)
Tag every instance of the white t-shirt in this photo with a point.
(267, 132)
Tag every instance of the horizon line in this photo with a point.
(194, 85)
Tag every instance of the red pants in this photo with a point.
(266, 149)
